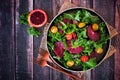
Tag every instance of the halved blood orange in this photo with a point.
(37, 18)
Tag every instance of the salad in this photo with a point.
(77, 39)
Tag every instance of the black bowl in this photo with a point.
(105, 47)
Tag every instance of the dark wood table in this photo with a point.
(17, 48)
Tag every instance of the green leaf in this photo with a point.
(76, 43)
(88, 18)
(82, 33)
(77, 17)
(70, 28)
(58, 19)
(102, 24)
(94, 19)
(103, 37)
(55, 57)
(23, 18)
(77, 61)
(86, 13)
(54, 36)
(64, 42)
(97, 45)
(33, 31)
(51, 45)
(82, 38)
(88, 47)
(67, 56)
(69, 16)
(64, 25)
(90, 64)
(67, 28)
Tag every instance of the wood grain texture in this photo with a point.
(117, 42)
(39, 72)
(24, 44)
(105, 71)
(106, 9)
(7, 55)
(17, 47)
(83, 3)
(87, 75)
(67, 4)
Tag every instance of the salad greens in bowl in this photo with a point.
(78, 39)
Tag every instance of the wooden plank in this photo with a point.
(83, 3)
(52, 9)
(105, 71)
(67, 4)
(117, 42)
(56, 6)
(7, 63)
(88, 4)
(24, 44)
(106, 9)
(39, 72)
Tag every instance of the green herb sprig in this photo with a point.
(31, 30)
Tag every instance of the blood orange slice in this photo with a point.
(37, 18)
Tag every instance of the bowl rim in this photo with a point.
(107, 25)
